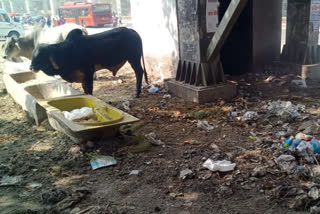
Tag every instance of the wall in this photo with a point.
(156, 22)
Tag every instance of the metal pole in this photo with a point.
(11, 6)
(27, 3)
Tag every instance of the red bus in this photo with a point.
(86, 14)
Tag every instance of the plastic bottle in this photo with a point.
(316, 145)
(288, 142)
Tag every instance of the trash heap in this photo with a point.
(282, 108)
(299, 159)
(306, 145)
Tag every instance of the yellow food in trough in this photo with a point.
(104, 115)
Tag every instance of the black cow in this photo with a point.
(79, 56)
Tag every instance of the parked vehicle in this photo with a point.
(8, 27)
(86, 14)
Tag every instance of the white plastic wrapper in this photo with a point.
(222, 166)
(77, 114)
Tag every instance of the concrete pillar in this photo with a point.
(53, 8)
(27, 3)
(11, 6)
(302, 32)
(119, 7)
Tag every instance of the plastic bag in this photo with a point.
(222, 166)
(77, 114)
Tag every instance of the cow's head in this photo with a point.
(11, 48)
(43, 58)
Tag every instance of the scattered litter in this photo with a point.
(117, 81)
(269, 79)
(259, 172)
(199, 114)
(167, 96)
(306, 150)
(301, 83)
(154, 89)
(314, 193)
(148, 162)
(78, 114)
(204, 125)
(316, 145)
(280, 134)
(191, 142)
(214, 147)
(280, 108)
(34, 185)
(252, 137)
(222, 166)
(315, 210)
(10, 180)
(233, 114)
(302, 136)
(102, 161)
(288, 142)
(126, 105)
(152, 137)
(310, 126)
(187, 173)
(285, 158)
(134, 172)
(250, 115)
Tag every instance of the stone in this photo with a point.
(259, 172)
(214, 147)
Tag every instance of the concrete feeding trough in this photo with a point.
(26, 87)
(45, 97)
(109, 118)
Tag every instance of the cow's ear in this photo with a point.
(54, 64)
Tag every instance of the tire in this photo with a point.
(14, 33)
(84, 24)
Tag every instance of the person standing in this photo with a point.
(49, 21)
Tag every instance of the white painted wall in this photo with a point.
(156, 22)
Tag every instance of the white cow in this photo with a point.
(14, 47)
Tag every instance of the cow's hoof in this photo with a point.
(137, 95)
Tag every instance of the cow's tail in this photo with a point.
(144, 67)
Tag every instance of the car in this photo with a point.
(8, 27)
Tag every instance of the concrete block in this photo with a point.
(202, 94)
(311, 72)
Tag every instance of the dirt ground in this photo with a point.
(54, 174)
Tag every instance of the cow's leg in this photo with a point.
(87, 82)
(136, 66)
